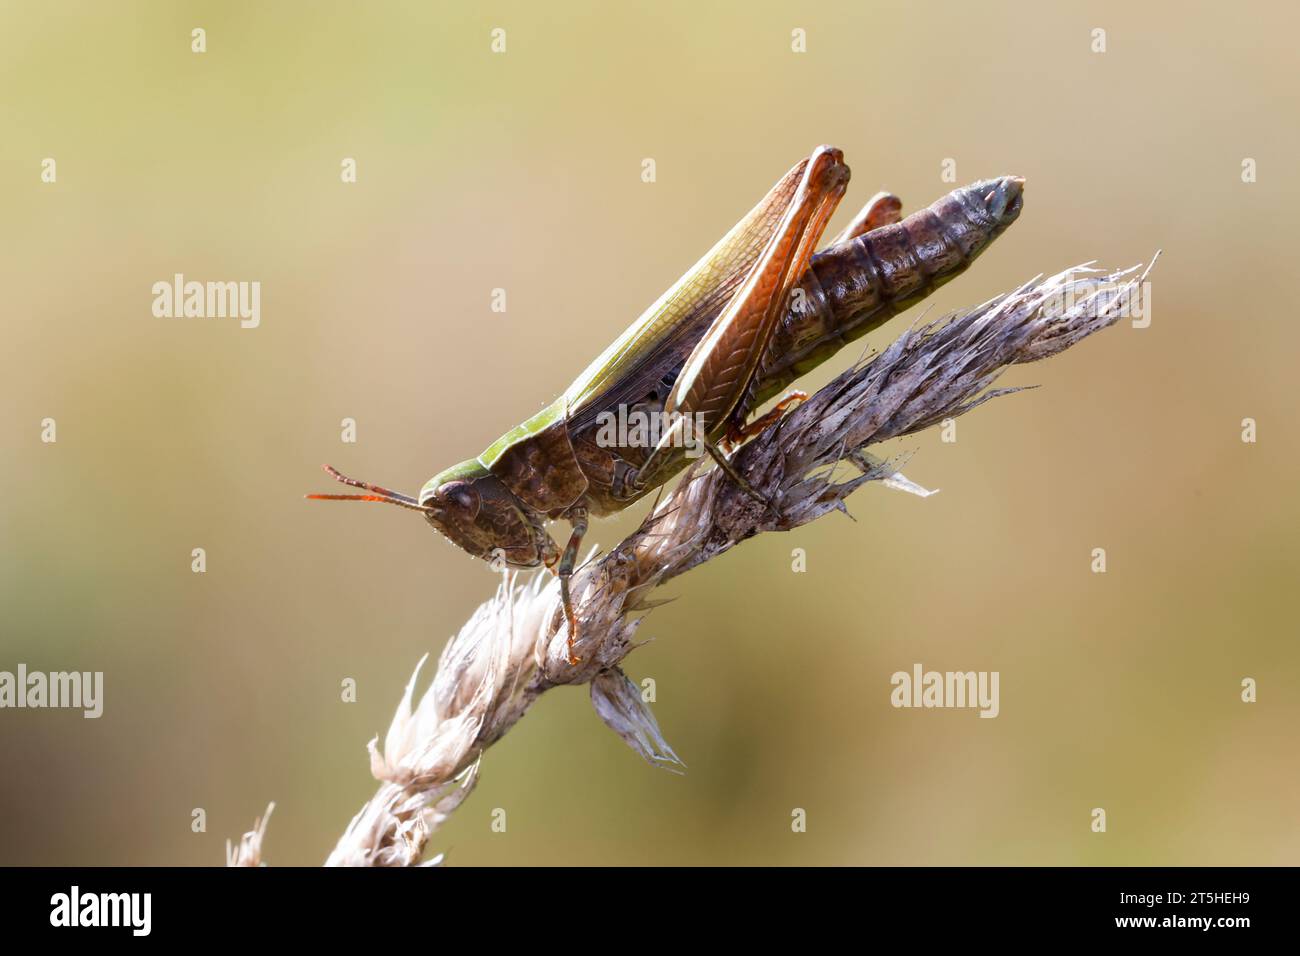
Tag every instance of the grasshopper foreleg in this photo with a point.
(578, 520)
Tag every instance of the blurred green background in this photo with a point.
(522, 171)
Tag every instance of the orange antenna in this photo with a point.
(379, 493)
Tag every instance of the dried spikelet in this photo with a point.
(249, 851)
(513, 648)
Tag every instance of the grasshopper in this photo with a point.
(758, 310)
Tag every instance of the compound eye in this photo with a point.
(462, 496)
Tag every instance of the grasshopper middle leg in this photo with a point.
(736, 478)
(740, 432)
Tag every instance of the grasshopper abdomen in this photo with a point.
(856, 286)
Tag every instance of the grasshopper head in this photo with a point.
(476, 512)
(473, 510)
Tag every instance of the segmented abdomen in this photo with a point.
(858, 285)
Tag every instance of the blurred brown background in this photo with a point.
(522, 171)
